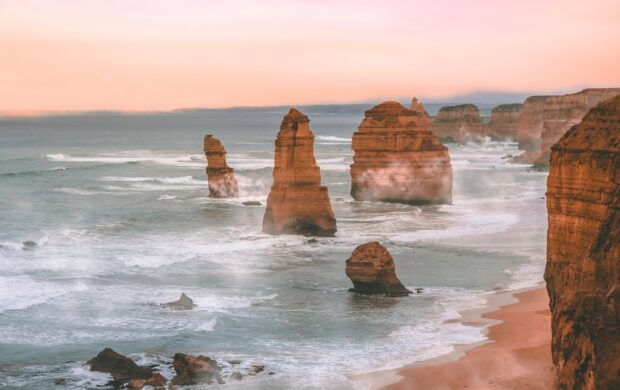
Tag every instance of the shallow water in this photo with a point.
(103, 217)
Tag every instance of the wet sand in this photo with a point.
(517, 356)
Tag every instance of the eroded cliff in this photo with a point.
(583, 251)
(460, 123)
(222, 181)
(398, 159)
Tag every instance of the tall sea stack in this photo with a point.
(222, 182)
(583, 251)
(398, 159)
(297, 203)
(504, 121)
(460, 123)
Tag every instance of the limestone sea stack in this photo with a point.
(418, 107)
(531, 123)
(297, 202)
(398, 159)
(563, 112)
(583, 251)
(504, 121)
(372, 271)
(460, 123)
(222, 182)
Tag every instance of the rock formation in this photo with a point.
(222, 182)
(563, 112)
(192, 370)
(460, 123)
(183, 303)
(531, 122)
(122, 368)
(418, 108)
(504, 121)
(372, 271)
(297, 203)
(398, 159)
(583, 251)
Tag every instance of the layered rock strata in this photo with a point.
(297, 202)
(372, 271)
(460, 123)
(222, 182)
(583, 251)
(418, 108)
(504, 121)
(531, 123)
(563, 112)
(398, 159)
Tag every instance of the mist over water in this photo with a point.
(106, 217)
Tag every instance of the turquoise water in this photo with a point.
(104, 217)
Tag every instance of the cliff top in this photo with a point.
(599, 129)
(460, 107)
(389, 108)
(508, 107)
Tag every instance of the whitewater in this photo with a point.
(105, 217)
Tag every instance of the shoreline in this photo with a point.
(517, 326)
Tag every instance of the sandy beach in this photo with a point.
(518, 355)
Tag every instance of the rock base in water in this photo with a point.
(372, 271)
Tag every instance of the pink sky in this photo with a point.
(159, 55)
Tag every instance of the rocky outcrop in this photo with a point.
(297, 202)
(531, 123)
(372, 271)
(504, 121)
(460, 123)
(222, 182)
(122, 368)
(563, 112)
(583, 251)
(183, 303)
(418, 108)
(398, 159)
(192, 370)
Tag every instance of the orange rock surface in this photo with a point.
(531, 123)
(459, 123)
(398, 159)
(563, 112)
(222, 182)
(583, 251)
(297, 202)
(417, 107)
(372, 271)
(504, 121)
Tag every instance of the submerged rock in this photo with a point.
(122, 368)
(252, 203)
(583, 251)
(157, 380)
(460, 123)
(27, 245)
(398, 159)
(222, 182)
(372, 271)
(183, 303)
(192, 370)
(297, 202)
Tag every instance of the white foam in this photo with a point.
(208, 326)
(21, 292)
(333, 139)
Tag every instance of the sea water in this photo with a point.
(104, 217)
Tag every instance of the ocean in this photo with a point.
(105, 216)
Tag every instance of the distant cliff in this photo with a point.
(504, 121)
(583, 250)
(460, 123)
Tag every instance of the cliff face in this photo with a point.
(583, 251)
(504, 121)
(297, 203)
(398, 159)
(222, 182)
(563, 112)
(531, 123)
(418, 108)
(458, 123)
